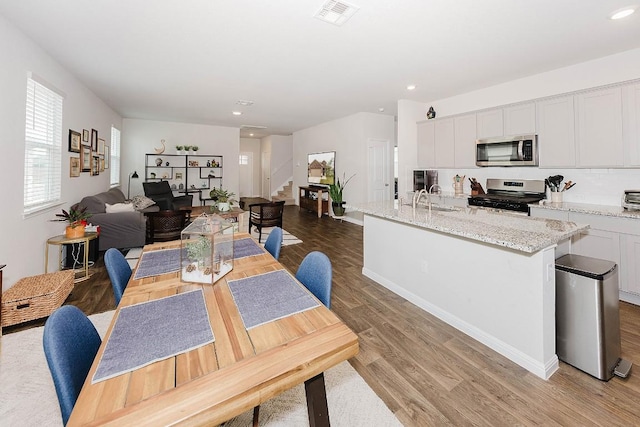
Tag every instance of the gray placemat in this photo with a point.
(243, 248)
(268, 297)
(158, 262)
(155, 330)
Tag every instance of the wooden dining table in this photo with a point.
(215, 382)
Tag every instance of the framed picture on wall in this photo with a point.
(106, 157)
(85, 158)
(74, 166)
(95, 165)
(94, 140)
(74, 141)
(101, 146)
(85, 136)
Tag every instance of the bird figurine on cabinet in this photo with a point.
(431, 114)
(160, 150)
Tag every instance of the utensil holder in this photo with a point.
(556, 197)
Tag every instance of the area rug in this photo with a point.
(28, 397)
(287, 238)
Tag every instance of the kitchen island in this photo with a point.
(489, 274)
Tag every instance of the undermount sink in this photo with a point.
(440, 208)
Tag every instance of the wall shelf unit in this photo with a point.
(186, 173)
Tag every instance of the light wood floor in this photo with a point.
(427, 372)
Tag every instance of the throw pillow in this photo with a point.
(142, 202)
(119, 207)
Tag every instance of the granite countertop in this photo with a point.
(513, 231)
(605, 210)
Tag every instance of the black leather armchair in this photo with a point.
(161, 193)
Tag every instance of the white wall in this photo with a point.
(348, 137)
(140, 137)
(252, 145)
(596, 186)
(24, 240)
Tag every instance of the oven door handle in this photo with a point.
(521, 150)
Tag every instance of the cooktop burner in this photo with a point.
(514, 195)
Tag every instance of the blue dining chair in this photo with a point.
(274, 242)
(315, 273)
(70, 343)
(119, 272)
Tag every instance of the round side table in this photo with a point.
(63, 240)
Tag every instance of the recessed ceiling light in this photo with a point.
(250, 134)
(237, 113)
(411, 87)
(623, 12)
(381, 109)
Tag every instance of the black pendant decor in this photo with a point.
(431, 114)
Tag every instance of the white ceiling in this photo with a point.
(192, 60)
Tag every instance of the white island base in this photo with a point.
(503, 298)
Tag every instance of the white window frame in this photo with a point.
(43, 147)
(243, 159)
(114, 157)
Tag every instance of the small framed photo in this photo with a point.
(74, 166)
(95, 165)
(106, 157)
(74, 141)
(101, 164)
(85, 158)
(85, 136)
(94, 140)
(100, 146)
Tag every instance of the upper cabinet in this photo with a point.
(520, 119)
(465, 141)
(631, 124)
(489, 123)
(426, 144)
(599, 128)
(444, 151)
(556, 132)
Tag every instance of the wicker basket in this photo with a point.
(35, 297)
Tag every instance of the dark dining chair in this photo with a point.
(315, 274)
(163, 226)
(265, 215)
(70, 344)
(273, 244)
(161, 193)
(119, 272)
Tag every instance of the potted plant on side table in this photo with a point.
(335, 191)
(77, 219)
(223, 198)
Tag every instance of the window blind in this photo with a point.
(43, 148)
(114, 161)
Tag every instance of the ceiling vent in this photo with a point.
(244, 103)
(252, 127)
(336, 12)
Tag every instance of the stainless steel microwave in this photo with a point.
(521, 150)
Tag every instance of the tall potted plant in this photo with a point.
(335, 191)
(77, 219)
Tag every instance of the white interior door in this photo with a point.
(266, 175)
(380, 168)
(246, 174)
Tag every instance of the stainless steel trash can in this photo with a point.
(587, 315)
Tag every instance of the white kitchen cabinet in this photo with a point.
(465, 141)
(444, 151)
(599, 128)
(490, 123)
(631, 124)
(520, 119)
(556, 132)
(597, 244)
(426, 144)
(630, 273)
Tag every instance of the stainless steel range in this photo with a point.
(510, 194)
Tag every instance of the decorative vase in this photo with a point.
(338, 208)
(74, 232)
(223, 206)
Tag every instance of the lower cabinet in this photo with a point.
(611, 238)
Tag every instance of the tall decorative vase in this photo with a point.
(74, 232)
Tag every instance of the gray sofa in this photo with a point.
(117, 230)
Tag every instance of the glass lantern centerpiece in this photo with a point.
(206, 253)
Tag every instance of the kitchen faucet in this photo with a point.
(417, 196)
